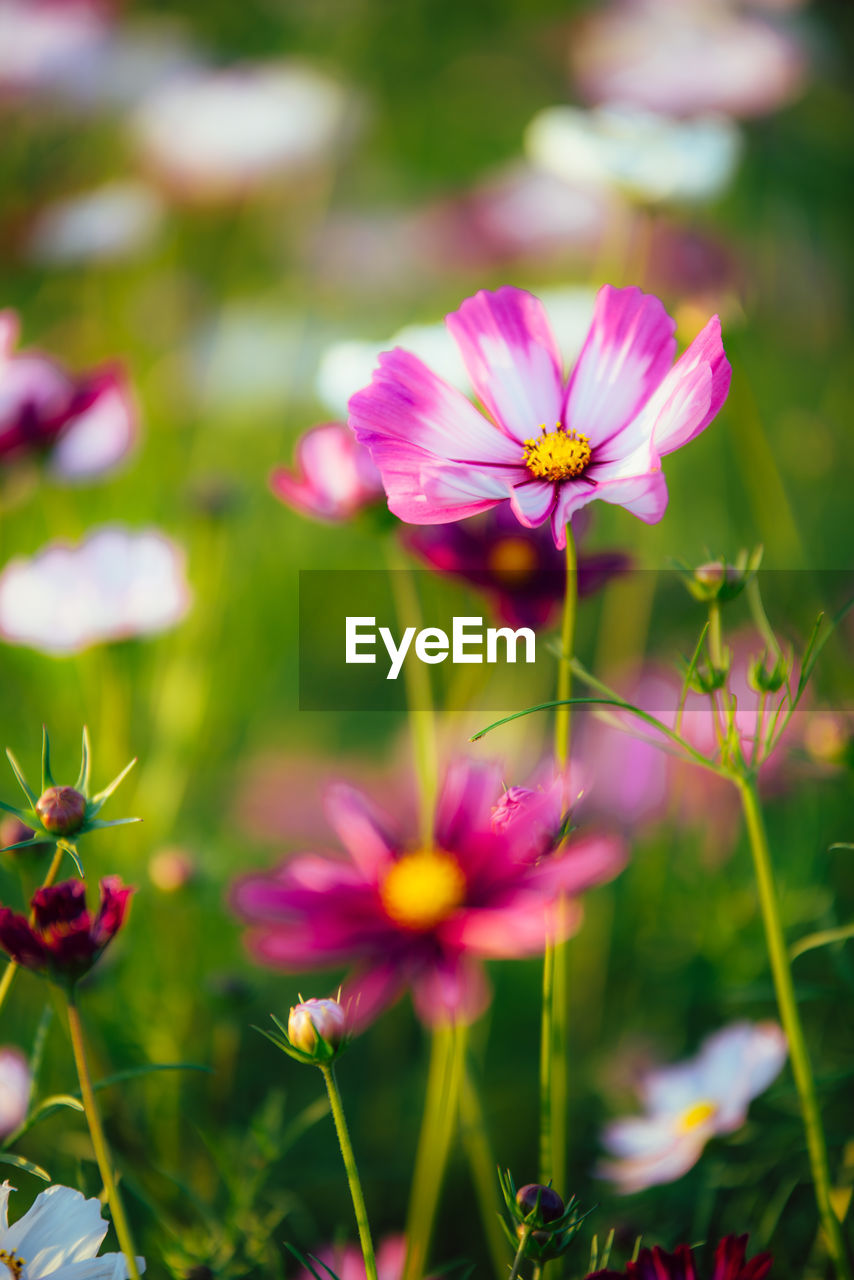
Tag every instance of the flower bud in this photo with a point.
(62, 810)
(542, 1202)
(318, 1028)
(765, 681)
(706, 679)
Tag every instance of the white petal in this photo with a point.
(61, 1226)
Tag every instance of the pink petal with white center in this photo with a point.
(532, 502)
(692, 393)
(628, 351)
(101, 435)
(738, 1063)
(572, 495)
(407, 402)
(522, 928)
(454, 990)
(364, 832)
(512, 358)
(645, 496)
(667, 1164)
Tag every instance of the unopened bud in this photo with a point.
(62, 810)
(764, 680)
(542, 1202)
(318, 1028)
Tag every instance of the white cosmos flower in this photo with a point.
(115, 584)
(643, 153)
(40, 39)
(346, 367)
(59, 1236)
(691, 1102)
(112, 222)
(219, 134)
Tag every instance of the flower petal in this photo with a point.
(532, 501)
(521, 928)
(512, 359)
(61, 1226)
(692, 393)
(453, 990)
(645, 495)
(628, 351)
(364, 832)
(585, 862)
(365, 995)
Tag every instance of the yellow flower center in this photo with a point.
(557, 455)
(13, 1262)
(422, 888)
(510, 557)
(695, 1116)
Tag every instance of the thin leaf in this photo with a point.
(841, 845)
(39, 1045)
(20, 814)
(303, 1122)
(821, 939)
(29, 843)
(306, 1262)
(18, 1162)
(47, 776)
(82, 783)
(47, 1107)
(98, 825)
(19, 774)
(132, 1073)
(98, 800)
(67, 847)
(689, 673)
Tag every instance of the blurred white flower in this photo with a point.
(690, 1103)
(643, 153)
(112, 222)
(15, 1085)
(58, 1236)
(248, 353)
(346, 367)
(685, 58)
(219, 134)
(41, 39)
(115, 584)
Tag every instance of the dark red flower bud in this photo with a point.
(62, 810)
(545, 1200)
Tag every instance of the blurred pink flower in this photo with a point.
(406, 916)
(220, 135)
(685, 58)
(114, 584)
(334, 477)
(84, 426)
(346, 1260)
(550, 445)
(690, 1103)
(43, 39)
(15, 1086)
(523, 574)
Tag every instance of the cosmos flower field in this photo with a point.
(426, 616)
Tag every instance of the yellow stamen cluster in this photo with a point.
(696, 1116)
(13, 1262)
(422, 888)
(558, 454)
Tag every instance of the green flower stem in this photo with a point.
(99, 1142)
(12, 967)
(791, 1020)
(553, 1025)
(447, 1057)
(520, 1252)
(351, 1168)
(482, 1164)
(419, 695)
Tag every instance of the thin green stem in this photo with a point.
(447, 1055)
(791, 1020)
(520, 1252)
(99, 1142)
(476, 1145)
(351, 1168)
(12, 967)
(553, 1026)
(419, 695)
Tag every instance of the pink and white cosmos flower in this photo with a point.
(691, 1102)
(550, 445)
(334, 477)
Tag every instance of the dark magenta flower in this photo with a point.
(64, 939)
(656, 1264)
(404, 916)
(520, 571)
(83, 426)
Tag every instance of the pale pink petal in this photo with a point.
(512, 359)
(334, 478)
(628, 351)
(666, 1165)
(532, 501)
(692, 393)
(101, 434)
(572, 495)
(645, 496)
(422, 490)
(584, 862)
(738, 1063)
(366, 995)
(363, 830)
(454, 990)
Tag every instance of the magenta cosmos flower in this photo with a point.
(405, 916)
(550, 445)
(64, 940)
(731, 1263)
